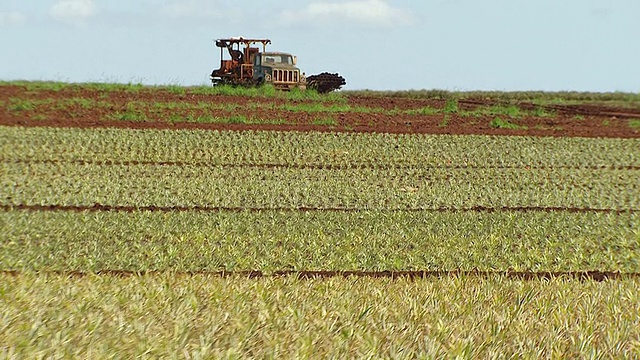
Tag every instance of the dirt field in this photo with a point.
(372, 114)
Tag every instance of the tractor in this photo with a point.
(249, 65)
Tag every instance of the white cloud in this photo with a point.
(73, 11)
(11, 18)
(365, 12)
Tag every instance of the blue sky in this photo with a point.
(552, 45)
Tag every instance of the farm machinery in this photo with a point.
(243, 62)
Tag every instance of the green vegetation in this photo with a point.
(140, 111)
(265, 91)
(546, 127)
(325, 121)
(262, 91)
(415, 94)
(172, 203)
(128, 115)
(19, 105)
(40, 85)
(510, 111)
(451, 106)
(377, 201)
(297, 101)
(500, 123)
(249, 186)
(337, 150)
(233, 119)
(177, 89)
(172, 315)
(506, 110)
(315, 107)
(83, 103)
(445, 121)
(426, 110)
(634, 124)
(271, 240)
(538, 97)
(542, 112)
(40, 117)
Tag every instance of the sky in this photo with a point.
(456, 45)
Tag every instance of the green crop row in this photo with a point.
(250, 187)
(318, 240)
(313, 149)
(71, 167)
(173, 316)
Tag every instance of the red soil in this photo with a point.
(569, 120)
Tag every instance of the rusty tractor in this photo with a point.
(248, 64)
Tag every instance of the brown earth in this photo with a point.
(373, 114)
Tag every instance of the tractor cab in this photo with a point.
(278, 69)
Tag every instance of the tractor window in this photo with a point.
(277, 59)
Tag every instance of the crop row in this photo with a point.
(249, 187)
(280, 240)
(293, 148)
(208, 317)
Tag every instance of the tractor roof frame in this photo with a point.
(223, 43)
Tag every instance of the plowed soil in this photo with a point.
(64, 108)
